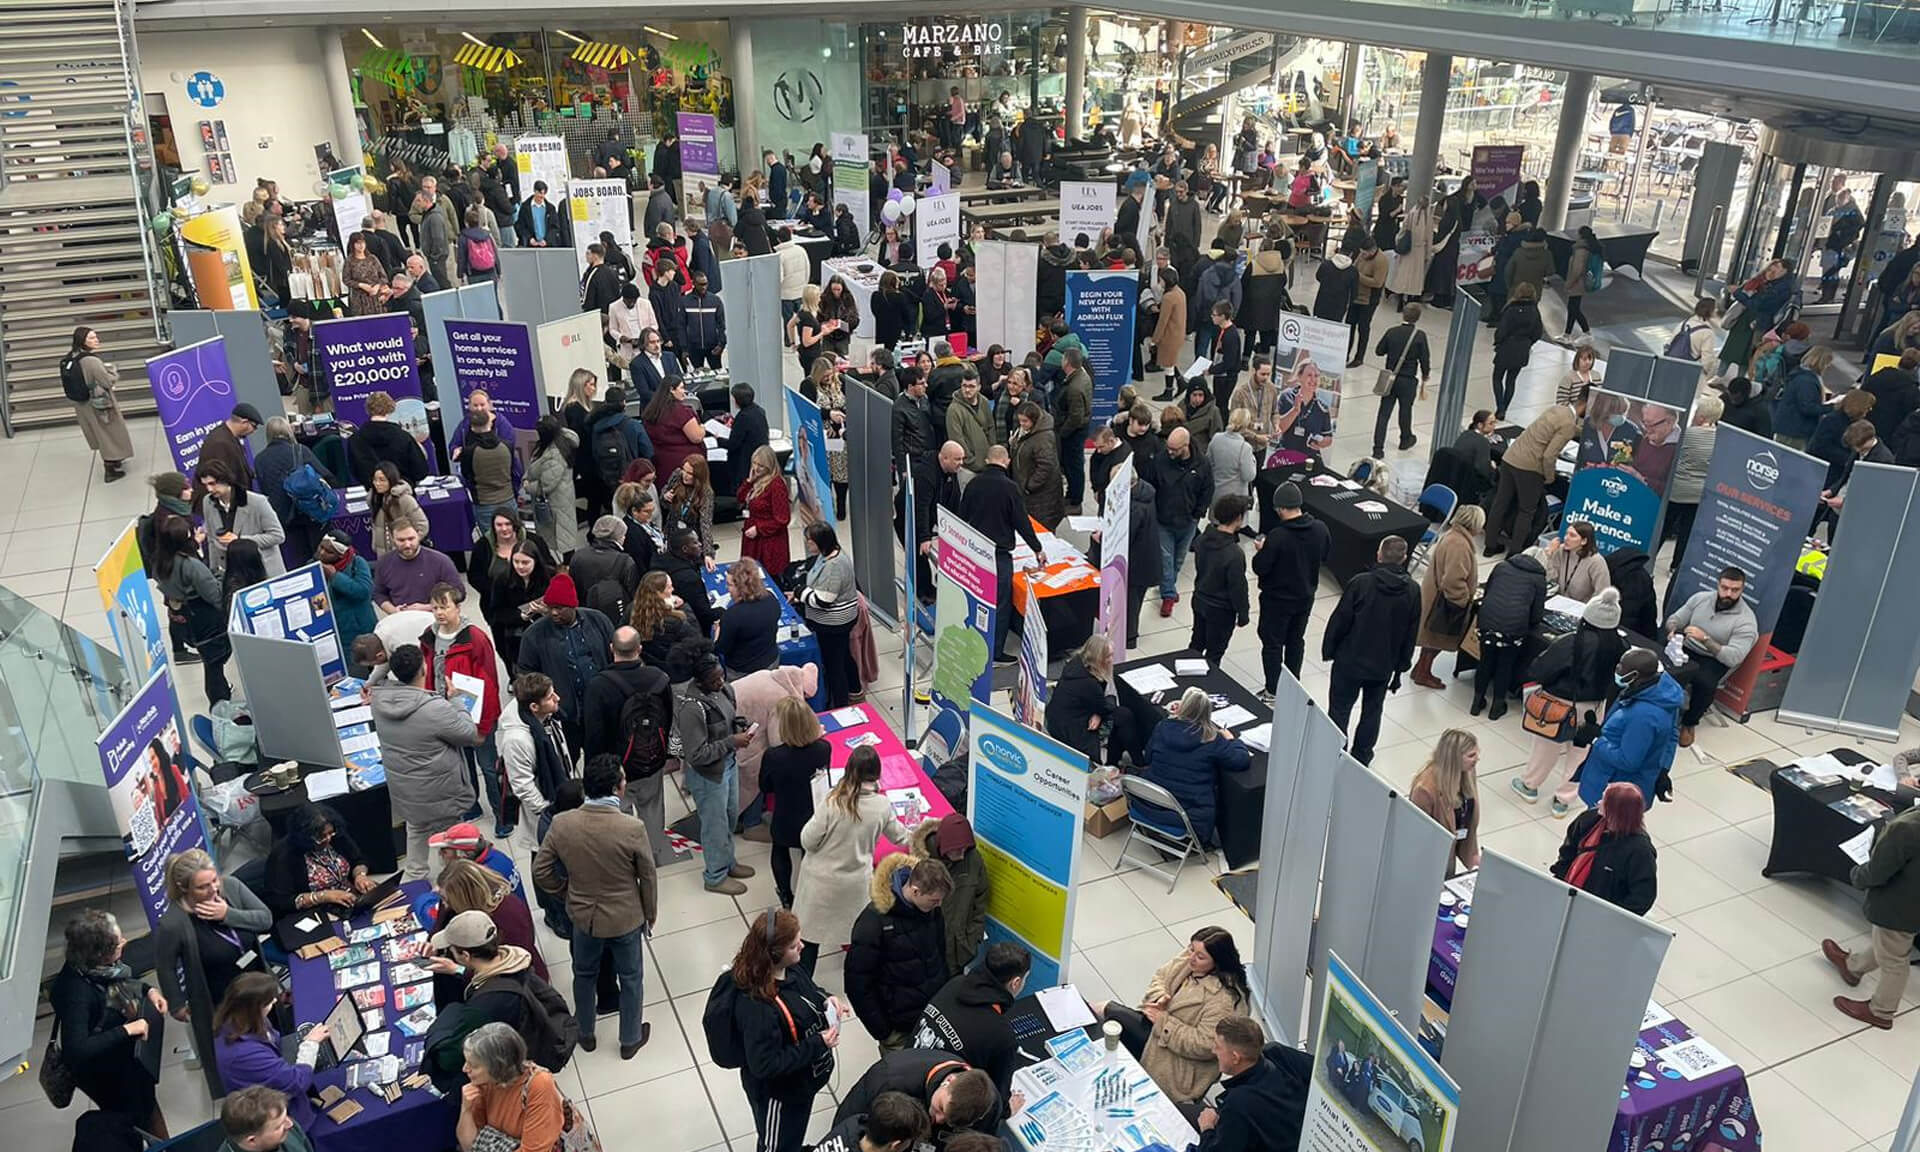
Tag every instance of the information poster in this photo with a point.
(1027, 799)
(192, 391)
(936, 222)
(1115, 540)
(699, 145)
(1086, 211)
(293, 607)
(939, 177)
(1309, 352)
(1100, 310)
(214, 248)
(1374, 1088)
(1030, 686)
(849, 151)
(362, 355)
(496, 356)
(813, 484)
(596, 206)
(1758, 498)
(542, 158)
(346, 191)
(127, 597)
(568, 345)
(146, 776)
(1627, 450)
(1366, 186)
(964, 581)
(1496, 172)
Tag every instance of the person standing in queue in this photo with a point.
(1286, 565)
(992, 502)
(1369, 641)
(784, 1026)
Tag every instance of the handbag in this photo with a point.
(1383, 383)
(56, 1078)
(1448, 619)
(1548, 716)
(575, 1135)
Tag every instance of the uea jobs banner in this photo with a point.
(1026, 802)
(496, 356)
(127, 597)
(965, 579)
(1115, 539)
(1100, 309)
(1627, 450)
(1374, 1088)
(596, 206)
(936, 222)
(362, 355)
(1758, 499)
(1086, 209)
(146, 778)
(193, 391)
(813, 482)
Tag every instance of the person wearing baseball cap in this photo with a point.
(500, 987)
(464, 842)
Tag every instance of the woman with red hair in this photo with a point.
(1608, 853)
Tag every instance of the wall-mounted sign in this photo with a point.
(205, 89)
(936, 39)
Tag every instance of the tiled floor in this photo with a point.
(1744, 965)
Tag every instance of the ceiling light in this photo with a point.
(372, 37)
(472, 39)
(658, 32)
(569, 35)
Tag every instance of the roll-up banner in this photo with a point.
(849, 152)
(193, 391)
(146, 774)
(362, 355)
(1757, 501)
(214, 249)
(1456, 363)
(1028, 796)
(565, 346)
(346, 189)
(1374, 1088)
(496, 356)
(1086, 210)
(964, 581)
(1115, 540)
(699, 145)
(1006, 283)
(127, 597)
(1309, 351)
(1030, 682)
(1627, 449)
(935, 222)
(813, 483)
(1100, 310)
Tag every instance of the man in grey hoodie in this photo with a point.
(421, 736)
(708, 737)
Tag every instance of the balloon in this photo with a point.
(358, 182)
(894, 194)
(890, 211)
(200, 186)
(320, 188)
(339, 191)
(375, 187)
(906, 205)
(162, 223)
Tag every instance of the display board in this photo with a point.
(1374, 1088)
(1366, 186)
(1030, 677)
(192, 391)
(473, 302)
(362, 355)
(1755, 504)
(496, 356)
(352, 207)
(126, 596)
(538, 284)
(1086, 210)
(1027, 798)
(1627, 449)
(213, 250)
(1006, 281)
(964, 582)
(288, 699)
(1101, 308)
(870, 501)
(1456, 364)
(295, 606)
(1310, 352)
(849, 152)
(751, 294)
(936, 221)
(813, 482)
(1116, 538)
(542, 158)
(596, 206)
(567, 345)
(699, 145)
(147, 776)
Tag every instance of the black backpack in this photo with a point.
(611, 453)
(550, 1029)
(608, 598)
(73, 379)
(723, 1033)
(645, 722)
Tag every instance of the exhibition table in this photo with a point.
(367, 816)
(1620, 247)
(818, 248)
(1807, 829)
(858, 724)
(1068, 588)
(1013, 192)
(1695, 1097)
(1241, 796)
(798, 644)
(418, 1119)
(862, 276)
(1082, 1091)
(1010, 212)
(1356, 519)
(444, 499)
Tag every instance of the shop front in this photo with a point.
(1009, 66)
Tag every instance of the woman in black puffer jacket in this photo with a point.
(1511, 607)
(1577, 668)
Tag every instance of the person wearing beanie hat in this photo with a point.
(604, 574)
(1576, 670)
(350, 588)
(950, 839)
(569, 645)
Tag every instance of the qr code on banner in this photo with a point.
(1693, 1059)
(143, 829)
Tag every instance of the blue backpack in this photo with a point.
(312, 499)
(1594, 271)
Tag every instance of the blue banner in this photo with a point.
(294, 607)
(146, 774)
(1627, 449)
(1100, 310)
(814, 499)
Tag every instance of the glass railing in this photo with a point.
(58, 690)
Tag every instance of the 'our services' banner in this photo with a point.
(362, 355)
(964, 580)
(1116, 537)
(1374, 1088)
(193, 391)
(146, 776)
(1027, 799)
(1627, 450)
(1100, 310)
(1758, 498)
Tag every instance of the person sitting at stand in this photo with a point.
(957, 1097)
(315, 862)
(1608, 853)
(1186, 755)
(1263, 1099)
(247, 1047)
(1172, 1031)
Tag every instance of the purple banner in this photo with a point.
(193, 390)
(496, 355)
(146, 775)
(1496, 171)
(699, 144)
(367, 354)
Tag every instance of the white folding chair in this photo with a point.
(1179, 846)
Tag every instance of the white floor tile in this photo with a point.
(1789, 1118)
(1766, 1021)
(673, 1111)
(1742, 925)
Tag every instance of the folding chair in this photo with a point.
(1436, 503)
(1167, 830)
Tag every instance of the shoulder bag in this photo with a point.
(56, 1078)
(1383, 383)
(1548, 716)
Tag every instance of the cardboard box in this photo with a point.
(1105, 819)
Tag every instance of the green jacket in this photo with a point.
(1073, 408)
(973, 428)
(965, 908)
(1891, 875)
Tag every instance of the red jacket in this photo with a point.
(471, 654)
(769, 515)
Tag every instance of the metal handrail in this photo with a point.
(129, 67)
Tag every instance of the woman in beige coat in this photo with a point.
(1453, 573)
(1170, 334)
(830, 885)
(1171, 1033)
(99, 414)
(393, 505)
(1407, 277)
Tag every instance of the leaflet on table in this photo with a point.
(1065, 1007)
(1058, 551)
(1881, 776)
(1075, 1051)
(1190, 668)
(363, 714)
(908, 804)
(1232, 716)
(1806, 779)
(1859, 848)
(1149, 679)
(1462, 886)
(1826, 765)
(1566, 605)
(840, 718)
(1083, 523)
(1373, 506)
(326, 785)
(1259, 737)
(1655, 1016)
(1693, 1059)
(1859, 808)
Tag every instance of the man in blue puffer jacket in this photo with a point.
(1642, 729)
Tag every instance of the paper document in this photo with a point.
(1198, 368)
(1462, 886)
(1655, 1016)
(1693, 1059)
(267, 624)
(468, 693)
(1148, 680)
(1058, 551)
(356, 744)
(299, 613)
(1232, 716)
(345, 716)
(1259, 737)
(1825, 764)
(1083, 523)
(1566, 605)
(322, 785)
(1881, 776)
(1190, 668)
(1064, 1007)
(1858, 848)
(849, 717)
(719, 429)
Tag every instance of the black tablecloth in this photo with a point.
(1356, 534)
(1241, 796)
(1619, 247)
(1806, 833)
(368, 817)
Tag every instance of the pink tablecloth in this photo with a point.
(899, 768)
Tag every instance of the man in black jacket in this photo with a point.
(1263, 1098)
(607, 696)
(968, 1016)
(705, 326)
(682, 561)
(993, 503)
(748, 434)
(912, 425)
(957, 1097)
(604, 573)
(933, 489)
(1286, 563)
(1369, 642)
(1219, 582)
(601, 285)
(897, 957)
(1183, 488)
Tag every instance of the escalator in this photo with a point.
(1240, 62)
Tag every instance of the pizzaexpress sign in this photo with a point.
(933, 40)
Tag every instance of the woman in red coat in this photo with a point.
(768, 513)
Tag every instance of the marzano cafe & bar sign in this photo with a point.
(939, 39)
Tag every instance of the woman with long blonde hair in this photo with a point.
(768, 511)
(823, 387)
(1447, 791)
(469, 886)
(830, 890)
(797, 752)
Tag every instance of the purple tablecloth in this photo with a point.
(418, 1122)
(449, 520)
(798, 645)
(1711, 1114)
